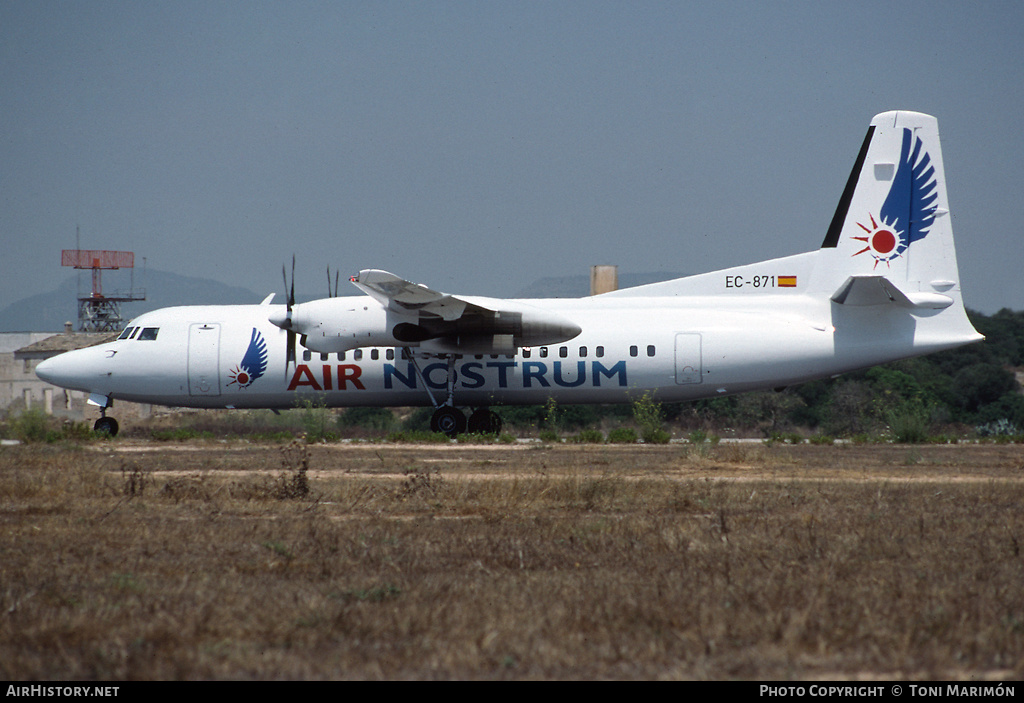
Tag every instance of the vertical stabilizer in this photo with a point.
(893, 219)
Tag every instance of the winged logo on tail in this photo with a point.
(909, 209)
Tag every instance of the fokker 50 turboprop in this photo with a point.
(883, 286)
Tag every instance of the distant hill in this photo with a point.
(49, 311)
(579, 286)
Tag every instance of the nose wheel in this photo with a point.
(106, 425)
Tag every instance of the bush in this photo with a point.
(375, 419)
(34, 425)
(657, 436)
(317, 420)
(648, 415)
(622, 435)
(418, 421)
(418, 436)
(909, 423)
(31, 426)
(1002, 427)
(588, 437)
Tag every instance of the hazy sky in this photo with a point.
(478, 146)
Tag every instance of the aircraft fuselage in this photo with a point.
(674, 348)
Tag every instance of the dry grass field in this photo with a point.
(127, 560)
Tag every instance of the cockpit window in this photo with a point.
(148, 333)
(127, 333)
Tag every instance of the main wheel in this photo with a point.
(107, 426)
(484, 421)
(448, 420)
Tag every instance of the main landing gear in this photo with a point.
(452, 422)
(447, 418)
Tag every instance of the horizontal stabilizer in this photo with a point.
(862, 291)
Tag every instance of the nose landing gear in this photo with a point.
(104, 425)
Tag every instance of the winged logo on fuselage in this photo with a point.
(253, 364)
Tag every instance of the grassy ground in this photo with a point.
(210, 560)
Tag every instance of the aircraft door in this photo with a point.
(204, 359)
(688, 358)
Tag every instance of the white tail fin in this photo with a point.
(893, 218)
(890, 243)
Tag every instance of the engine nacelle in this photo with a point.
(339, 324)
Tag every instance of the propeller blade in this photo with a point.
(332, 292)
(289, 289)
(289, 353)
(291, 295)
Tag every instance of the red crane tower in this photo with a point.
(98, 312)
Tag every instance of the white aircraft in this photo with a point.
(883, 286)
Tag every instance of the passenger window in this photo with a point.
(389, 354)
(526, 353)
(633, 350)
(650, 350)
(149, 333)
(375, 354)
(325, 357)
(543, 352)
(600, 352)
(563, 352)
(357, 355)
(583, 352)
(307, 355)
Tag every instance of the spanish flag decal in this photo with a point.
(787, 281)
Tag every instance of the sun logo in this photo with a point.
(909, 209)
(882, 241)
(254, 363)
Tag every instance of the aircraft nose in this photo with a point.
(48, 370)
(74, 369)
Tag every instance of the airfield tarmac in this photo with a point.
(133, 559)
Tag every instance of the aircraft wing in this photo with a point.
(446, 323)
(400, 295)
